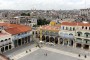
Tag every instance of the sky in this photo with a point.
(44, 4)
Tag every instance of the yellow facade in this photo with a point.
(52, 23)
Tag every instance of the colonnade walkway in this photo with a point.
(18, 56)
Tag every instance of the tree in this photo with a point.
(42, 21)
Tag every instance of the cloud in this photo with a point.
(43, 4)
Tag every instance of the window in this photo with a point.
(63, 27)
(5, 39)
(86, 41)
(1, 40)
(78, 34)
(86, 28)
(82, 27)
(73, 28)
(86, 35)
(9, 39)
(70, 28)
(66, 28)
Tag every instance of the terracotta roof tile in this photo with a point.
(15, 28)
(75, 24)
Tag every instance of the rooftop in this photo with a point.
(75, 24)
(15, 28)
(50, 28)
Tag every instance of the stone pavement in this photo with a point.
(66, 53)
(18, 56)
(63, 52)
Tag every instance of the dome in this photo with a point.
(52, 23)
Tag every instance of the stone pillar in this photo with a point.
(17, 43)
(63, 41)
(4, 49)
(58, 41)
(82, 45)
(68, 42)
(74, 45)
(89, 47)
(24, 40)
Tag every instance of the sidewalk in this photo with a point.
(64, 53)
(16, 57)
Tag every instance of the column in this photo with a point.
(74, 43)
(89, 47)
(63, 41)
(58, 41)
(17, 43)
(68, 42)
(82, 44)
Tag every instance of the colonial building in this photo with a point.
(13, 35)
(67, 33)
(82, 36)
(75, 34)
(49, 33)
(24, 20)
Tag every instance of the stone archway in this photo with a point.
(66, 41)
(28, 39)
(19, 42)
(43, 38)
(61, 41)
(78, 45)
(71, 42)
(6, 48)
(10, 46)
(16, 43)
(47, 38)
(25, 40)
(86, 47)
(56, 40)
(2, 49)
(52, 39)
(22, 41)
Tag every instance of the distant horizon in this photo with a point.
(43, 4)
(45, 9)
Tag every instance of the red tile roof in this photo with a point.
(15, 28)
(50, 28)
(75, 24)
(69, 23)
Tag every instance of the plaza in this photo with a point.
(39, 55)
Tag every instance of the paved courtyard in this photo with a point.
(39, 55)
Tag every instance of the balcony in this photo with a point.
(64, 35)
(86, 41)
(79, 40)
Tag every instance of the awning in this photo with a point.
(79, 32)
(87, 33)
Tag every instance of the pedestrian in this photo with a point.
(30, 50)
(26, 51)
(85, 56)
(79, 55)
(46, 54)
